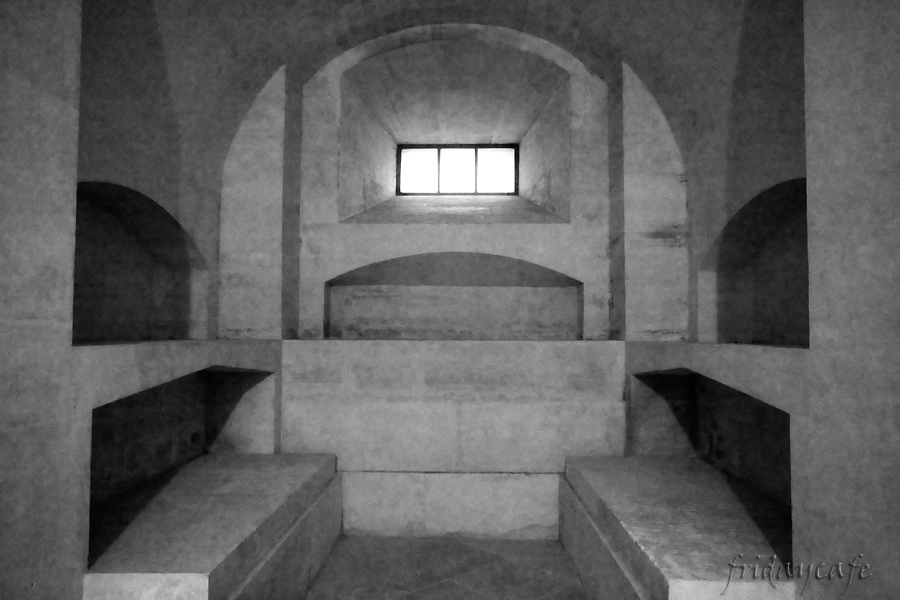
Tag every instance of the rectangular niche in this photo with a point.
(682, 413)
(140, 441)
(454, 296)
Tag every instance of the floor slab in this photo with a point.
(381, 568)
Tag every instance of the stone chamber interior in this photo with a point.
(232, 343)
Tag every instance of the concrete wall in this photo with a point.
(544, 156)
(128, 128)
(845, 445)
(43, 465)
(453, 313)
(655, 220)
(368, 159)
(250, 244)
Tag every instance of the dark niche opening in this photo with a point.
(679, 413)
(763, 270)
(454, 296)
(133, 268)
(139, 442)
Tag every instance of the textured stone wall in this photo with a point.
(400, 312)
(43, 459)
(655, 224)
(129, 132)
(846, 442)
(368, 159)
(250, 241)
(545, 156)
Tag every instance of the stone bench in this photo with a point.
(227, 526)
(656, 528)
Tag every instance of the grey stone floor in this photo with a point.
(446, 568)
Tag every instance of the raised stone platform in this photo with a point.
(464, 437)
(646, 528)
(227, 526)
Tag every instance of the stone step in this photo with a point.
(453, 407)
(223, 527)
(655, 528)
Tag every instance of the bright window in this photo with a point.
(457, 169)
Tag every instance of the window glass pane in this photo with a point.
(418, 171)
(496, 170)
(457, 170)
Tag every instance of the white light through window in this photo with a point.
(419, 171)
(457, 171)
(496, 170)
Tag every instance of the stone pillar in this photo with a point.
(44, 451)
(845, 447)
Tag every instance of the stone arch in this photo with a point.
(453, 295)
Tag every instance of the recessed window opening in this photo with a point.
(458, 169)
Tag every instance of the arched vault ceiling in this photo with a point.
(222, 52)
(459, 91)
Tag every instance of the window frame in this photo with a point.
(476, 147)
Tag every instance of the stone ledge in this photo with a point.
(675, 524)
(214, 524)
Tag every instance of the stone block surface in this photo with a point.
(501, 505)
(214, 522)
(287, 572)
(676, 523)
(601, 569)
(453, 406)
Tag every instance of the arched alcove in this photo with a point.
(453, 84)
(453, 295)
(762, 271)
(138, 275)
